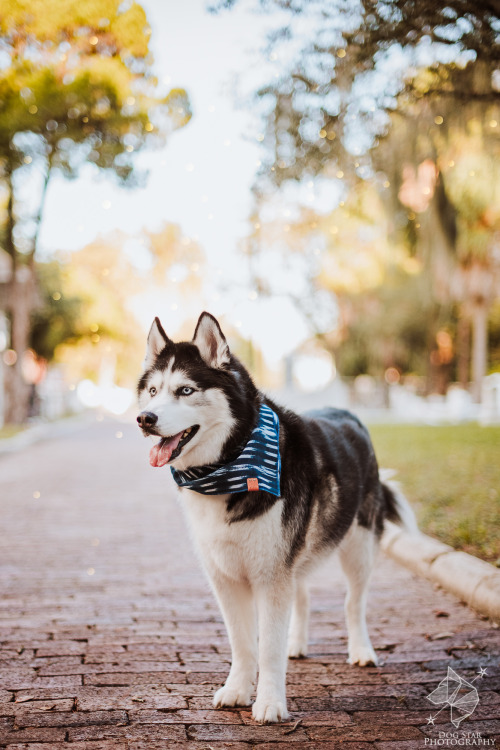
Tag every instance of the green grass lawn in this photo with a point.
(451, 475)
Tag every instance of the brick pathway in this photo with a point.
(110, 638)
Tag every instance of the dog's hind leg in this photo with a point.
(238, 610)
(357, 551)
(299, 625)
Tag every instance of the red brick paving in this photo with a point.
(111, 640)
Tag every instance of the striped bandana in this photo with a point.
(258, 466)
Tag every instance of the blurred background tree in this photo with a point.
(441, 160)
(404, 97)
(76, 87)
(89, 320)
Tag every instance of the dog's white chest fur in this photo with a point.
(242, 551)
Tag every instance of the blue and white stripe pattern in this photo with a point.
(260, 459)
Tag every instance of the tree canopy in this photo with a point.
(403, 97)
(340, 68)
(76, 87)
(376, 25)
(90, 298)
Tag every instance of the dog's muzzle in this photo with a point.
(147, 420)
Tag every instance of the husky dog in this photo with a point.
(267, 495)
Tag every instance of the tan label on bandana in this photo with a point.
(253, 485)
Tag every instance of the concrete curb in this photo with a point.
(474, 581)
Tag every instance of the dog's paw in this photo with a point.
(267, 711)
(233, 695)
(297, 649)
(363, 655)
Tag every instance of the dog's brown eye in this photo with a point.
(152, 391)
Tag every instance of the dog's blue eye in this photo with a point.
(186, 391)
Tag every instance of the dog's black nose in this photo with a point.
(147, 419)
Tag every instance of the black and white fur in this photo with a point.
(258, 549)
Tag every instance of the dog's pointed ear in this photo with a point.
(211, 342)
(157, 341)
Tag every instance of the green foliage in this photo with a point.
(435, 168)
(375, 26)
(118, 26)
(57, 318)
(474, 188)
(392, 325)
(348, 103)
(451, 475)
(339, 73)
(78, 87)
(103, 285)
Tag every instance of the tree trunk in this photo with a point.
(15, 389)
(20, 304)
(479, 348)
(22, 300)
(463, 351)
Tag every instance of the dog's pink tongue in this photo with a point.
(160, 453)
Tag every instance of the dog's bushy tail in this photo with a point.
(398, 509)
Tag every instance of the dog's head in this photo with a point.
(194, 396)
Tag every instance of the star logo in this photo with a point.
(456, 693)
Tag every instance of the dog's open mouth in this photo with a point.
(170, 447)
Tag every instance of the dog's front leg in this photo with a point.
(273, 607)
(238, 610)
